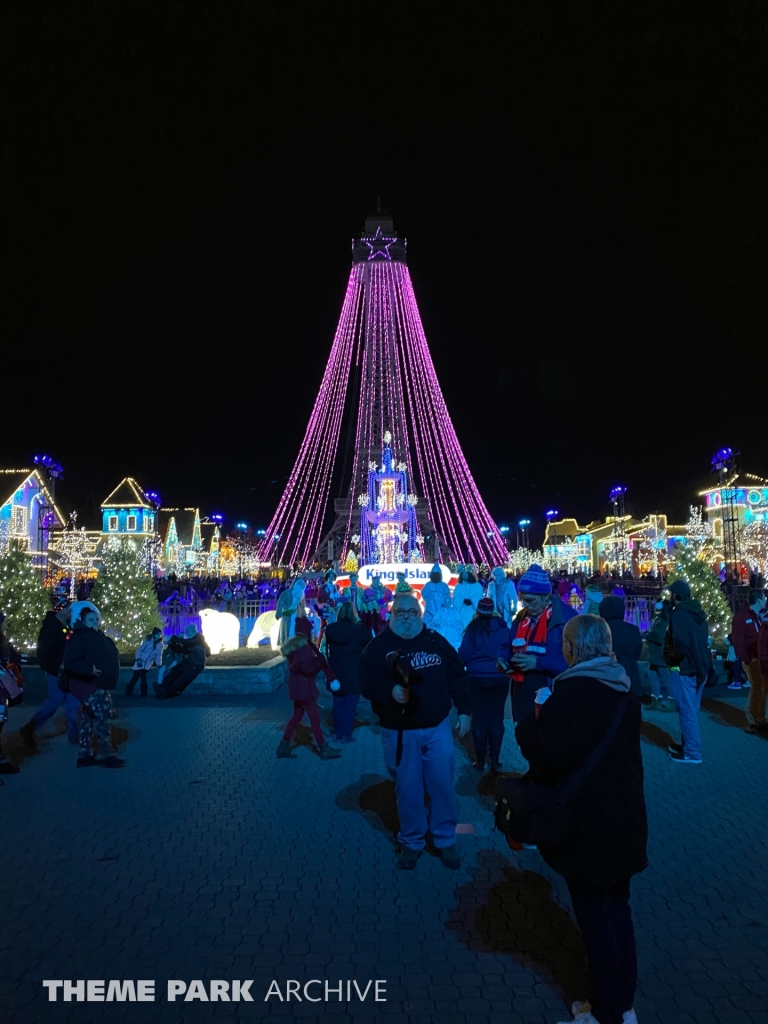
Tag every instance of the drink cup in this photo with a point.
(518, 646)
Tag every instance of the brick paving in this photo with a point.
(207, 858)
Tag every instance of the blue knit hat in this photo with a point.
(534, 581)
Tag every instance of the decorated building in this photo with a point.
(388, 528)
(28, 512)
(613, 543)
(746, 493)
(128, 512)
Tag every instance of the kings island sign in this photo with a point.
(416, 573)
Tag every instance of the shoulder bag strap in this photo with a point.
(595, 757)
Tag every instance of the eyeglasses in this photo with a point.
(412, 614)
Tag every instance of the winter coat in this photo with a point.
(609, 832)
(345, 642)
(465, 599)
(503, 593)
(745, 630)
(762, 649)
(655, 639)
(552, 663)
(434, 595)
(627, 642)
(689, 636)
(437, 680)
(485, 641)
(304, 662)
(149, 654)
(85, 650)
(193, 649)
(51, 642)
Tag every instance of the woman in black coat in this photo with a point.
(345, 639)
(626, 639)
(608, 825)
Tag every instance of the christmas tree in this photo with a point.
(694, 568)
(351, 563)
(125, 596)
(23, 597)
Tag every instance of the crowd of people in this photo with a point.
(575, 693)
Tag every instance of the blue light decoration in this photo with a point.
(241, 526)
(154, 496)
(524, 522)
(723, 459)
(261, 533)
(616, 493)
(216, 518)
(503, 529)
(388, 526)
(551, 513)
(54, 468)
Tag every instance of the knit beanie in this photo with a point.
(534, 581)
(485, 606)
(436, 568)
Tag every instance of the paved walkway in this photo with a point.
(207, 858)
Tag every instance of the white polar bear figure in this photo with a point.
(221, 630)
(265, 626)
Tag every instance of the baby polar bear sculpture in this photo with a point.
(267, 625)
(221, 630)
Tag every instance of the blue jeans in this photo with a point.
(344, 709)
(661, 679)
(53, 702)
(688, 697)
(427, 764)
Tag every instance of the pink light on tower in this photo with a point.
(380, 340)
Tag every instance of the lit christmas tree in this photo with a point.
(351, 563)
(125, 596)
(705, 588)
(23, 597)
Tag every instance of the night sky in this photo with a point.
(582, 188)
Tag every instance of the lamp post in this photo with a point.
(616, 497)
(504, 531)
(524, 524)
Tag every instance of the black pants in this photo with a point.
(178, 678)
(605, 919)
(488, 700)
(139, 674)
(523, 695)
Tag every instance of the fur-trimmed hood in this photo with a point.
(293, 644)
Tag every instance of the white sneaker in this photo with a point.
(582, 1014)
(630, 1017)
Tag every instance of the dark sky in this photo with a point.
(582, 188)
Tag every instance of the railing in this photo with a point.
(177, 613)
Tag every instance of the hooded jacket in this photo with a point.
(609, 828)
(304, 662)
(656, 637)
(689, 635)
(745, 630)
(627, 642)
(86, 650)
(484, 642)
(345, 642)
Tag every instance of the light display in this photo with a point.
(694, 567)
(125, 595)
(388, 529)
(380, 335)
(221, 630)
(75, 554)
(23, 598)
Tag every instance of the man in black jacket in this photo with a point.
(687, 654)
(627, 642)
(51, 642)
(194, 651)
(412, 676)
(608, 828)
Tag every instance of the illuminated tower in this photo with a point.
(380, 348)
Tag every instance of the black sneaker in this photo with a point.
(89, 761)
(6, 768)
(451, 857)
(27, 733)
(113, 761)
(406, 858)
(675, 748)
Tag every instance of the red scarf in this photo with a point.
(535, 636)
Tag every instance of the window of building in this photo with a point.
(131, 522)
(112, 523)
